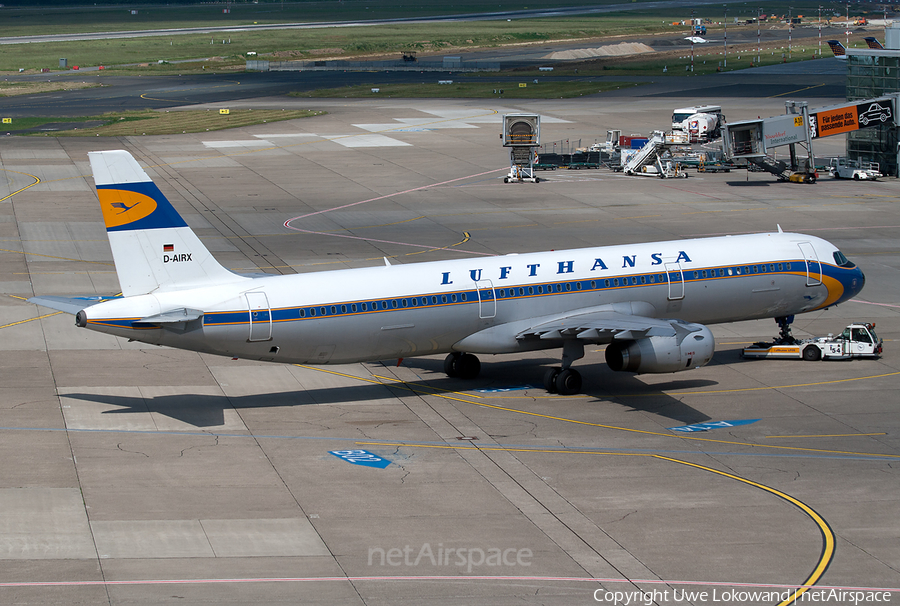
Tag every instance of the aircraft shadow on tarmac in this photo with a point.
(602, 386)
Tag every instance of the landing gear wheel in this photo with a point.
(450, 364)
(550, 379)
(812, 353)
(467, 366)
(568, 382)
(462, 365)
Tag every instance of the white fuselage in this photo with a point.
(480, 305)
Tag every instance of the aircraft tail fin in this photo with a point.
(152, 246)
(874, 43)
(837, 48)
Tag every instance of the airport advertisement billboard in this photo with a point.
(834, 121)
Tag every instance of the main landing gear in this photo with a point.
(462, 365)
(564, 380)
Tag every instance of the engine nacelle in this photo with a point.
(663, 354)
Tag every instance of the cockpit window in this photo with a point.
(841, 260)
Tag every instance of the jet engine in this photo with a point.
(691, 347)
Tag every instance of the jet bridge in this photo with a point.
(751, 140)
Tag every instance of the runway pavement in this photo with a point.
(132, 474)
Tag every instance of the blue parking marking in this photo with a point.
(361, 457)
(509, 388)
(712, 425)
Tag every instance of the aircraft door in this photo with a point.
(675, 278)
(813, 267)
(487, 300)
(260, 316)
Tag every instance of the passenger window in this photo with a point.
(569, 287)
(323, 311)
(443, 298)
(312, 311)
(302, 313)
(540, 290)
(615, 281)
(365, 307)
(403, 302)
(343, 309)
(453, 298)
(463, 296)
(606, 283)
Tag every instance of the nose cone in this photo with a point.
(853, 283)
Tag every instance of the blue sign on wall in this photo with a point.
(361, 457)
(712, 425)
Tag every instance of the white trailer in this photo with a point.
(857, 341)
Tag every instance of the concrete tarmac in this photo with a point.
(132, 474)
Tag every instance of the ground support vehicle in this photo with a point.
(844, 168)
(857, 341)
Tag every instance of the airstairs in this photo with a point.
(648, 160)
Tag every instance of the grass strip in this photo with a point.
(151, 122)
(11, 89)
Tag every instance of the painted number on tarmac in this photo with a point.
(712, 425)
(505, 389)
(361, 457)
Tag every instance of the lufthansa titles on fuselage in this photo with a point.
(561, 267)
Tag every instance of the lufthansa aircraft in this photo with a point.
(647, 303)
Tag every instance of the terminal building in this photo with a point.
(875, 72)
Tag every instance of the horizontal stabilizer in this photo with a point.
(176, 315)
(70, 305)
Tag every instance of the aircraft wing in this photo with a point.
(70, 305)
(602, 326)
